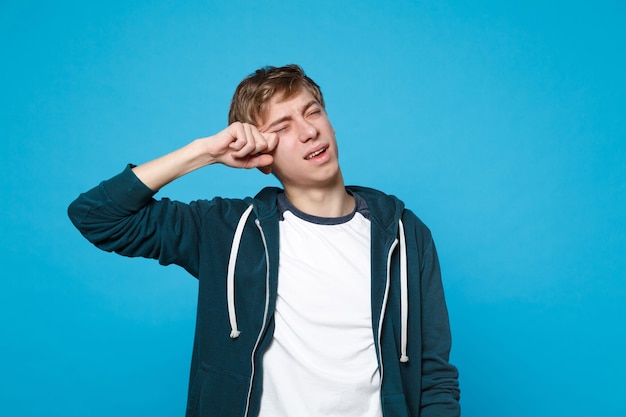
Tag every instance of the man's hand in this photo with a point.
(241, 145)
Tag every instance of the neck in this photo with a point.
(333, 201)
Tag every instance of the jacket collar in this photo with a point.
(385, 209)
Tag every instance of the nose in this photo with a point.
(306, 131)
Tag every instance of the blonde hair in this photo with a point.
(256, 90)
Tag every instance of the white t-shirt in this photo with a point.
(322, 360)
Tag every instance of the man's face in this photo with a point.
(306, 154)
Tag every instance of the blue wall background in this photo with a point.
(500, 123)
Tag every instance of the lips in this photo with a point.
(315, 153)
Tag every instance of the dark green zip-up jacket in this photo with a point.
(235, 309)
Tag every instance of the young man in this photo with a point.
(315, 300)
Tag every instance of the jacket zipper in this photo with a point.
(382, 315)
(267, 297)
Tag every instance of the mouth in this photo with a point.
(315, 153)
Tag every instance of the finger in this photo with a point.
(247, 146)
(262, 161)
(272, 141)
(260, 144)
(255, 143)
(236, 136)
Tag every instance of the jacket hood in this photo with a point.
(385, 209)
(265, 202)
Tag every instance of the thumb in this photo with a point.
(263, 162)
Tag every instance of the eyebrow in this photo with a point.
(286, 118)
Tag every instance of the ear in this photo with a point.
(266, 169)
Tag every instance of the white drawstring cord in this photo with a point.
(230, 277)
(404, 297)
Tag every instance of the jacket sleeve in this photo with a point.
(120, 215)
(440, 386)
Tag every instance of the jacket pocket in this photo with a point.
(395, 406)
(216, 392)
